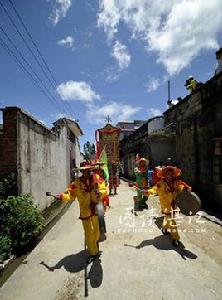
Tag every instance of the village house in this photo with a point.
(42, 158)
(189, 132)
(198, 123)
(128, 127)
(151, 141)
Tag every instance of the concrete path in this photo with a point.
(136, 262)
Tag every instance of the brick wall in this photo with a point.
(8, 142)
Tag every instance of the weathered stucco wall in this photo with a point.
(130, 146)
(78, 154)
(42, 163)
(198, 118)
(153, 147)
(161, 147)
(41, 158)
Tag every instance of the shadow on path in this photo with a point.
(77, 262)
(164, 242)
(72, 263)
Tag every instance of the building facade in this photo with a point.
(198, 122)
(191, 135)
(156, 145)
(128, 127)
(41, 158)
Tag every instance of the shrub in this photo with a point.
(8, 185)
(5, 247)
(20, 221)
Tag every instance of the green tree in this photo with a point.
(89, 150)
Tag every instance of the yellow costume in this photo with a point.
(88, 194)
(101, 178)
(191, 84)
(103, 189)
(167, 198)
(167, 192)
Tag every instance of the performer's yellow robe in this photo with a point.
(192, 85)
(84, 191)
(167, 196)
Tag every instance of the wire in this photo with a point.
(32, 40)
(64, 110)
(25, 61)
(14, 57)
(68, 107)
(62, 105)
(24, 41)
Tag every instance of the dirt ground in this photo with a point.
(136, 261)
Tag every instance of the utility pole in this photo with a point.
(169, 102)
(168, 90)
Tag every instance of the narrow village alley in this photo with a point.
(136, 261)
(118, 105)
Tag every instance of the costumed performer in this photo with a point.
(86, 191)
(168, 187)
(142, 184)
(113, 178)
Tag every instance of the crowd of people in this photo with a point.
(91, 189)
(163, 180)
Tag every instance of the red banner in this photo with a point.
(109, 139)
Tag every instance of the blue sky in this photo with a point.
(109, 57)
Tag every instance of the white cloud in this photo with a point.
(121, 55)
(77, 90)
(117, 112)
(67, 42)
(176, 30)
(112, 74)
(153, 112)
(152, 85)
(174, 102)
(60, 9)
(108, 17)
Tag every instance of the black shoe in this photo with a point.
(165, 231)
(144, 206)
(134, 212)
(92, 258)
(175, 243)
(138, 208)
